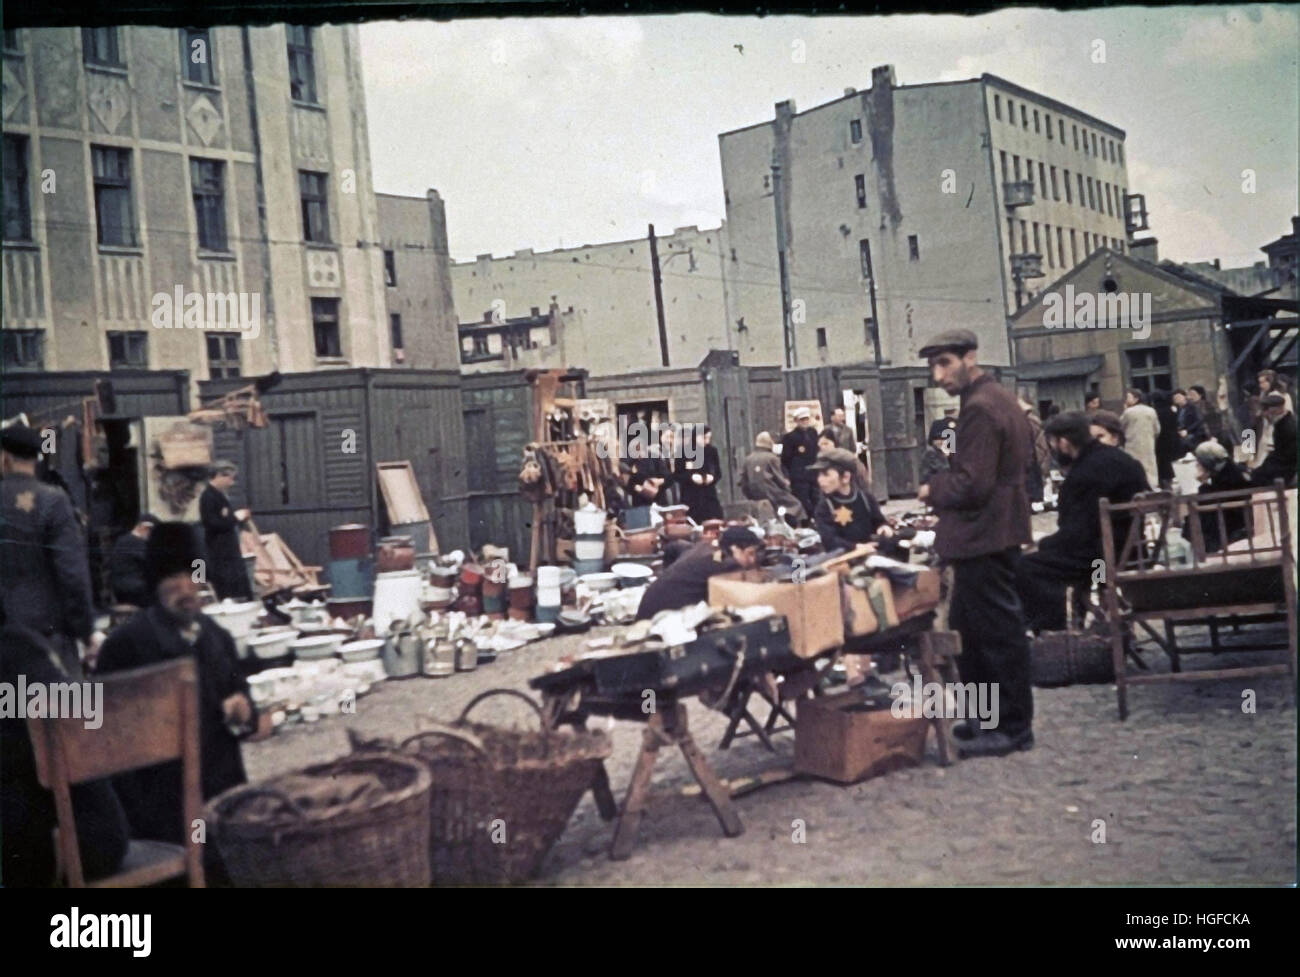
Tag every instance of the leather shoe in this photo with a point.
(994, 742)
(966, 730)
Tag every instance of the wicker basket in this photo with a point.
(384, 845)
(501, 797)
(1070, 658)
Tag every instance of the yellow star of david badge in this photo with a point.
(843, 515)
(26, 501)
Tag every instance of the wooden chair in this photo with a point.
(1253, 578)
(150, 715)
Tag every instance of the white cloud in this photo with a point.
(1236, 36)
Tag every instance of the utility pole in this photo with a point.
(659, 295)
(787, 327)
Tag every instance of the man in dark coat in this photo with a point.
(686, 582)
(27, 813)
(798, 451)
(225, 559)
(983, 521)
(1281, 461)
(840, 431)
(1217, 472)
(127, 575)
(1169, 446)
(846, 515)
(174, 626)
(44, 573)
(699, 476)
(1067, 557)
(935, 457)
(764, 478)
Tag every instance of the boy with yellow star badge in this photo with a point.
(846, 515)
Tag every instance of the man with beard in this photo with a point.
(798, 451)
(174, 626)
(1096, 471)
(983, 521)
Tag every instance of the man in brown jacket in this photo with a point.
(983, 521)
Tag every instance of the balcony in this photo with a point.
(1019, 193)
(1025, 266)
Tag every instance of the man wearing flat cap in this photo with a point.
(846, 515)
(798, 451)
(1280, 462)
(686, 582)
(983, 521)
(44, 573)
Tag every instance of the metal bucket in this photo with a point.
(350, 542)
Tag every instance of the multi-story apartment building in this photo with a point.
(160, 184)
(417, 281)
(908, 209)
(613, 323)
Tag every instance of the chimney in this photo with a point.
(883, 76)
(1144, 249)
(784, 110)
(850, 91)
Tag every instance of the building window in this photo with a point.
(18, 207)
(1083, 201)
(913, 248)
(1092, 197)
(302, 67)
(128, 350)
(1068, 198)
(1060, 246)
(1024, 116)
(1029, 172)
(855, 131)
(1110, 207)
(395, 329)
(1119, 149)
(1056, 190)
(1075, 129)
(1047, 122)
(1061, 123)
(1015, 167)
(1011, 234)
(864, 257)
(207, 179)
(99, 46)
(1024, 237)
(997, 104)
(821, 338)
(1011, 111)
(1037, 246)
(12, 45)
(114, 213)
(1042, 179)
(325, 328)
(1074, 248)
(196, 56)
(24, 349)
(1002, 157)
(1087, 243)
(1148, 368)
(1036, 129)
(860, 187)
(1047, 237)
(315, 206)
(1094, 144)
(223, 355)
(390, 268)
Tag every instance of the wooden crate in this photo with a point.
(839, 738)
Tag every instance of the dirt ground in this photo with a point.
(1190, 788)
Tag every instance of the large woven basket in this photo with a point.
(384, 845)
(1070, 658)
(501, 797)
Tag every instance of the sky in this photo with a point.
(545, 132)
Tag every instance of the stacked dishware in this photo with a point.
(521, 598)
(589, 540)
(548, 594)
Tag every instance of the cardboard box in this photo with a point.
(868, 611)
(911, 601)
(839, 738)
(812, 608)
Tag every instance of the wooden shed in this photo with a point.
(313, 466)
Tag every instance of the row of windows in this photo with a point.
(115, 219)
(24, 349)
(1107, 149)
(1104, 198)
(101, 47)
(1043, 242)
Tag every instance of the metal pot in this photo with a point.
(395, 553)
(401, 655)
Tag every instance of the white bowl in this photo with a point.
(274, 644)
(238, 619)
(262, 687)
(600, 581)
(361, 651)
(545, 628)
(631, 574)
(318, 646)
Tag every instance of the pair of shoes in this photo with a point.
(994, 742)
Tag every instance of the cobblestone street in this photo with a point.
(1191, 791)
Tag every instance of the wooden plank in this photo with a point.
(401, 492)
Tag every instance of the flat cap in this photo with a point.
(21, 441)
(836, 458)
(951, 341)
(741, 536)
(1273, 399)
(801, 413)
